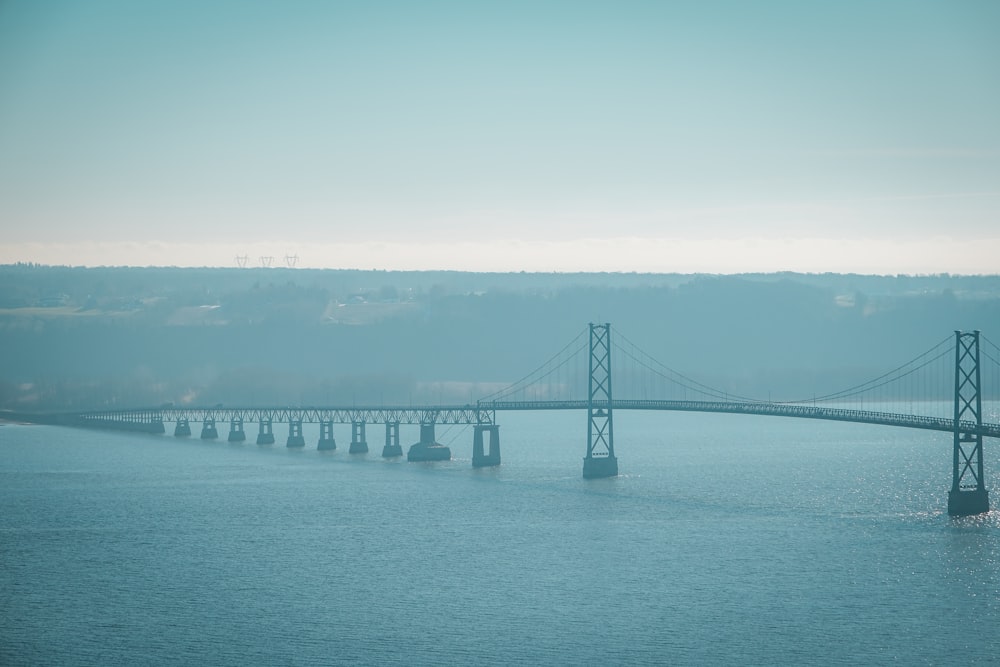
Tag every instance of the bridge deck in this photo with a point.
(770, 410)
(485, 413)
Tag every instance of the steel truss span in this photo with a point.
(437, 414)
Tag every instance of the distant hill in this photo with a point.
(91, 337)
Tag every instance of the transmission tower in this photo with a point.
(291, 260)
(266, 261)
(241, 261)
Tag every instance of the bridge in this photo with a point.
(941, 389)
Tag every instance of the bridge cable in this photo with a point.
(511, 388)
(994, 394)
(705, 389)
(871, 384)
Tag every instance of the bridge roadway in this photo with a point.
(767, 409)
(484, 413)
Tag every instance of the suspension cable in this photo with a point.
(705, 389)
(871, 384)
(875, 383)
(693, 386)
(868, 386)
(986, 352)
(516, 386)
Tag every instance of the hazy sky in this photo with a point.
(648, 136)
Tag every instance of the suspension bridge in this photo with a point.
(942, 389)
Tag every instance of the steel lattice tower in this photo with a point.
(600, 460)
(968, 493)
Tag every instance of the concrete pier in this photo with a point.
(208, 431)
(600, 466)
(236, 433)
(427, 449)
(295, 438)
(392, 447)
(182, 429)
(491, 457)
(326, 440)
(358, 443)
(968, 502)
(265, 436)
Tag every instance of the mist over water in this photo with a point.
(727, 539)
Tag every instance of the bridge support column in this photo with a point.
(265, 436)
(326, 441)
(182, 428)
(392, 447)
(236, 433)
(358, 443)
(427, 449)
(600, 460)
(208, 430)
(295, 438)
(481, 459)
(968, 493)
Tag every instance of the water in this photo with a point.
(727, 540)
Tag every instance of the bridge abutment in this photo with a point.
(295, 439)
(358, 443)
(392, 447)
(326, 440)
(481, 456)
(236, 432)
(208, 430)
(182, 429)
(265, 436)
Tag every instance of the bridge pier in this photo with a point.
(182, 428)
(427, 449)
(492, 458)
(600, 466)
(236, 433)
(295, 438)
(208, 431)
(358, 443)
(968, 493)
(968, 503)
(964, 498)
(600, 460)
(392, 447)
(265, 436)
(326, 441)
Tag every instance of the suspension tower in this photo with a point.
(600, 460)
(968, 493)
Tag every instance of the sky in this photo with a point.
(711, 136)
